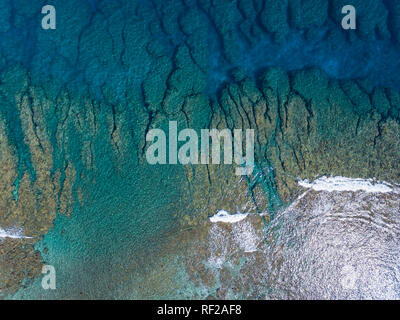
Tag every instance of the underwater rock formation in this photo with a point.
(306, 125)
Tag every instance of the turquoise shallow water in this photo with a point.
(95, 249)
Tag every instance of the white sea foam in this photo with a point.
(223, 216)
(223, 242)
(246, 237)
(12, 234)
(347, 184)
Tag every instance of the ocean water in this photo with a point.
(55, 54)
(102, 245)
(138, 64)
